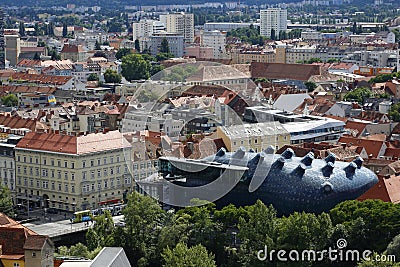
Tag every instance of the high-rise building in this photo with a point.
(180, 23)
(273, 19)
(175, 43)
(2, 52)
(146, 28)
(216, 40)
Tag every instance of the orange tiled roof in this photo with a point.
(41, 78)
(372, 147)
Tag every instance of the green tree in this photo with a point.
(155, 68)
(394, 247)
(164, 56)
(36, 56)
(97, 45)
(137, 45)
(164, 48)
(102, 234)
(144, 220)
(182, 256)
(259, 230)
(372, 224)
(6, 204)
(93, 77)
(111, 76)
(100, 54)
(122, 52)
(358, 94)
(394, 112)
(273, 34)
(310, 86)
(65, 30)
(9, 100)
(134, 67)
(21, 29)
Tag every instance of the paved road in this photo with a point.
(62, 227)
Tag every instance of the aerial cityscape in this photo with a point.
(191, 133)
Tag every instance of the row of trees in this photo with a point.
(205, 236)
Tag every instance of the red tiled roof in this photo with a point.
(15, 89)
(29, 63)
(32, 49)
(372, 147)
(393, 153)
(16, 122)
(357, 127)
(301, 72)
(35, 242)
(68, 144)
(69, 48)
(49, 142)
(41, 78)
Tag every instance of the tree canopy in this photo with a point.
(9, 100)
(112, 76)
(182, 256)
(134, 67)
(358, 94)
(6, 204)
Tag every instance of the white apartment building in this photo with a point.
(273, 19)
(180, 23)
(217, 41)
(146, 28)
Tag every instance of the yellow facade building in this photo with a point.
(255, 136)
(72, 172)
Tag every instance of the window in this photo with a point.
(72, 165)
(72, 189)
(84, 164)
(98, 173)
(105, 160)
(118, 169)
(111, 160)
(59, 187)
(53, 186)
(117, 158)
(16, 264)
(105, 172)
(66, 175)
(65, 164)
(44, 161)
(98, 162)
(72, 176)
(66, 188)
(59, 175)
(105, 183)
(91, 163)
(83, 175)
(52, 162)
(92, 174)
(111, 171)
(38, 184)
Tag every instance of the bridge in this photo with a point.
(57, 230)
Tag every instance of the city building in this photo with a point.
(2, 42)
(7, 161)
(273, 20)
(146, 28)
(256, 136)
(72, 172)
(227, 26)
(181, 24)
(217, 41)
(13, 48)
(175, 43)
(21, 246)
(73, 52)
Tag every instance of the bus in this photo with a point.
(82, 216)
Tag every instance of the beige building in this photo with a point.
(179, 23)
(256, 136)
(240, 56)
(72, 172)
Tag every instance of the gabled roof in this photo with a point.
(357, 128)
(372, 147)
(290, 102)
(70, 48)
(300, 72)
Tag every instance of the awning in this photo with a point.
(111, 201)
